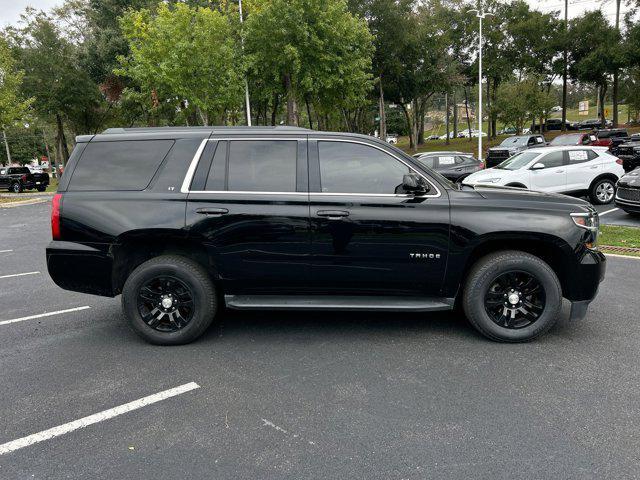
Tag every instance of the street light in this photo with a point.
(480, 14)
(246, 83)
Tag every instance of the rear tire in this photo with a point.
(186, 283)
(41, 188)
(16, 187)
(489, 308)
(602, 191)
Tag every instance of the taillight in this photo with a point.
(55, 216)
(619, 161)
(23, 178)
(483, 165)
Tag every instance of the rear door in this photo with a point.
(582, 167)
(368, 236)
(553, 177)
(248, 204)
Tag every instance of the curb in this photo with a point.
(32, 201)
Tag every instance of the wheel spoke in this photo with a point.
(172, 316)
(529, 299)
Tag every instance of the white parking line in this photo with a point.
(5, 251)
(47, 314)
(95, 418)
(609, 211)
(19, 274)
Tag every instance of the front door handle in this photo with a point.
(333, 214)
(212, 211)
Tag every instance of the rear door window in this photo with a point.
(119, 165)
(260, 166)
(553, 159)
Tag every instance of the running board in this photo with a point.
(337, 302)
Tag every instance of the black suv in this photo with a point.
(185, 221)
(512, 145)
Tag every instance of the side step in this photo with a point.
(337, 302)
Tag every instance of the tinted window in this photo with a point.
(355, 168)
(216, 178)
(427, 161)
(518, 161)
(571, 139)
(124, 165)
(262, 165)
(553, 159)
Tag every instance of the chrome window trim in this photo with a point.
(196, 159)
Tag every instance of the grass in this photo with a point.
(11, 199)
(617, 236)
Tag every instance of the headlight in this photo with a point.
(590, 222)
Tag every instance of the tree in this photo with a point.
(594, 54)
(12, 106)
(187, 52)
(517, 102)
(309, 50)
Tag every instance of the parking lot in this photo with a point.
(300, 395)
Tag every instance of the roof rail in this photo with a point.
(121, 130)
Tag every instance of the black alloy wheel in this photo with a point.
(515, 300)
(165, 303)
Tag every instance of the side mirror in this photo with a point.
(538, 166)
(414, 184)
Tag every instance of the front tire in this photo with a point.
(169, 300)
(41, 188)
(602, 191)
(512, 296)
(16, 187)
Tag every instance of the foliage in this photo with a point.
(12, 106)
(519, 102)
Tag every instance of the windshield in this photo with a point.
(518, 161)
(566, 140)
(515, 141)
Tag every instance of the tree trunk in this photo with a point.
(274, 112)
(446, 117)
(6, 146)
(455, 115)
(306, 100)
(292, 106)
(466, 109)
(601, 94)
(382, 113)
(423, 107)
(62, 140)
(416, 112)
(407, 117)
(494, 116)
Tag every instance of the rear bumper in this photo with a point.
(80, 268)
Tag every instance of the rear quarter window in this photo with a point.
(119, 165)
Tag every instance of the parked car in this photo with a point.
(512, 145)
(569, 170)
(593, 124)
(629, 153)
(392, 139)
(554, 124)
(444, 136)
(569, 139)
(452, 165)
(433, 137)
(557, 108)
(628, 193)
(605, 136)
(17, 179)
(507, 131)
(190, 221)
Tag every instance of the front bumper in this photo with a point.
(80, 268)
(585, 282)
(627, 206)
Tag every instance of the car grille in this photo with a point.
(499, 154)
(625, 151)
(632, 194)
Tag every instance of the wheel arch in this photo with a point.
(516, 184)
(134, 248)
(609, 175)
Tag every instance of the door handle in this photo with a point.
(559, 171)
(212, 211)
(594, 167)
(333, 214)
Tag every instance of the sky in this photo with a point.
(10, 9)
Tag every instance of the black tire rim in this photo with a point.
(515, 300)
(166, 304)
(16, 188)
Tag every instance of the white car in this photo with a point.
(574, 170)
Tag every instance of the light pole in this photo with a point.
(480, 14)
(246, 83)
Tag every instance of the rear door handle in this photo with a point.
(212, 211)
(333, 214)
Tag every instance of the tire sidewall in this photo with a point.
(553, 299)
(16, 187)
(205, 307)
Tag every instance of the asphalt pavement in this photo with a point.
(308, 396)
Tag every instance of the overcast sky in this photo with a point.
(10, 9)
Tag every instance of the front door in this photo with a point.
(248, 204)
(368, 236)
(551, 178)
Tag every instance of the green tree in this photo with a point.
(310, 50)
(188, 53)
(521, 101)
(12, 106)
